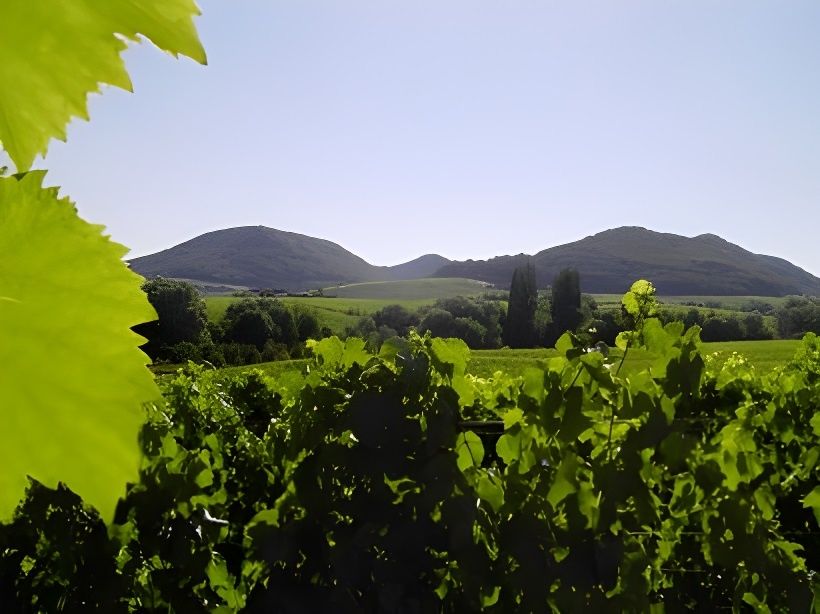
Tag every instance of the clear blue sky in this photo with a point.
(471, 128)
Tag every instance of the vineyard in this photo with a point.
(395, 482)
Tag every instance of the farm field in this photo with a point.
(342, 306)
(764, 355)
(413, 289)
(335, 313)
(355, 300)
(728, 303)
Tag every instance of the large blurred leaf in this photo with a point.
(53, 53)
(72, 380)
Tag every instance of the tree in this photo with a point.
(755, 327)
(721, 328)
(253, 327)
(307, 324)
(799, 315)
(519, 326)
(181, 315)
(566, 301)
(438, 322)
(278, 323)
(396, 317)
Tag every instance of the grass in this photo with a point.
(730, 303)
(336, 313)
(411, 290)
(764, 355)
(272, 369)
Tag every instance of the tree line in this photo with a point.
(261, 328)
(253, 330)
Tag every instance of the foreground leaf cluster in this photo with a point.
(362, 486)
(72, 381)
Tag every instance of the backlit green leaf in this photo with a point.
(450, 356)
(72, 381)
(55, 53)
(565, 482)
(470, 450)
(812, 500)
(491, 492)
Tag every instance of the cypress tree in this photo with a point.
(566, 301)
(519, 326)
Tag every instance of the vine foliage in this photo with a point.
(73, 379)
(361, 486)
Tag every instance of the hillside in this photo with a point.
(414, 289)
(261, 257)
(424, 266)
(610, 261)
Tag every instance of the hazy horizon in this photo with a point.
(464, 128)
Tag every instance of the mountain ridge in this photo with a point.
(608, 262)
(705, 264)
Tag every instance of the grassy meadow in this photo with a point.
(764, 355)
(353, 301)
(335, 313)
(342, 306)
(410, 290)
(726, 303)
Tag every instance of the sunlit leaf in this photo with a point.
(329, 351)
(812, 500)
(72, 380)
(55, 53)
(450, 356)
(470, 450)
(565, 482)
(491, 492)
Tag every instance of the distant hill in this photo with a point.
(610, 261)
(261, 257)
(412, 289)
(424, 266)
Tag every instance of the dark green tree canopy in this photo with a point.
(180, 311)
(799, 315)
(519, 326)
(282, 327)
(566, 301)
(253, 327)
(396, 317)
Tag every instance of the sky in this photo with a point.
(468, 128)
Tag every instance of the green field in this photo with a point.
(730, 303)
(764, 355)
(414, 289)
(335, 313)
(342, 306)
(349, 303)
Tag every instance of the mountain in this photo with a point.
(608, 262)
(423, 266)
(261, 257)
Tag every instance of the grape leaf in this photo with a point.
(640, 300)
(812, 500)
(470, 450)
(72, 380)
(55, 53)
